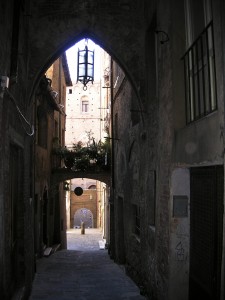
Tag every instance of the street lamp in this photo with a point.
(66, 186)
(85, 66)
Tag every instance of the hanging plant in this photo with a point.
(83, 158)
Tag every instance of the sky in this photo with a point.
(71, 55)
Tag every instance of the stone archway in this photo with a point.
(57, 25)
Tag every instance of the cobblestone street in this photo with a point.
(88, 241)
(83, 272)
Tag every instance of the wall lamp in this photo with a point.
(163, 36)
(66, 186)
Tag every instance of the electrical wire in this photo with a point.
(21, 116)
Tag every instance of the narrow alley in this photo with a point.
(82, 272)
(112, 116)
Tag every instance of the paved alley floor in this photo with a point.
(83, 272)
(84, 242)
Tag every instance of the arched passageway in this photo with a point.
(45, 35)
(83, 215)
(52, 33)
(64, 174)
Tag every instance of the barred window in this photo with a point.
(199, 60)
(200, 81)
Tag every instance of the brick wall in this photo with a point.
(87, 200)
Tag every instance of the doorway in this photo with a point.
(16, 233)
(206, 225)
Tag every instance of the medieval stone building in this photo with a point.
(50, 119)
(167, 133)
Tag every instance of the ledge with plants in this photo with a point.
(92, 157)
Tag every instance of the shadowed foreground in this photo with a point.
(86, 274)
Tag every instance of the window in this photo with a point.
(198, 16)
(199, 61)
(92, 187)
(70, 91)
(85, 106)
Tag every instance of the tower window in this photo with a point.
(85, 106)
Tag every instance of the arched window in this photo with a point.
(84, 104)
(92, 187)
(83, 215)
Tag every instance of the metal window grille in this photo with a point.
(200, 77)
